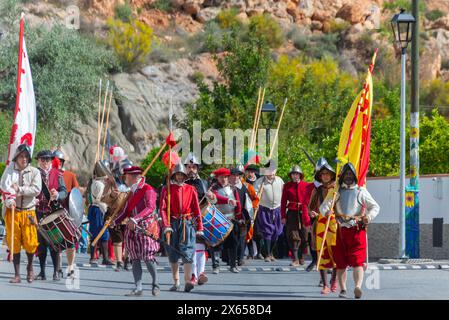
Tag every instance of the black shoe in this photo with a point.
(155, 291)
(188, 287)
(127, 264)
(119, 266)
(343, 294)
(311, 266)
(41, 276)
(60, 274)
(56, 276)
(71, 274)
(107, 262)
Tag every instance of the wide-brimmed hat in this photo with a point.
(45, 154)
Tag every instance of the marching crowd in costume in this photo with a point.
(123, 210)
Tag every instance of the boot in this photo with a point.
(30, 272)
(16, 261)
(127, 264)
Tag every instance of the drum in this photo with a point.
(60, 229)
(216, 226)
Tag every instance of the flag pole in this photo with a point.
(107, 124)
(277, 130)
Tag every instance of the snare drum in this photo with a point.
(216, 226)
(60, 229)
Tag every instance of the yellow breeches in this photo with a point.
(25, 234)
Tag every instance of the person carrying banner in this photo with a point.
(20, 184)
(325, 175)
(354, 209)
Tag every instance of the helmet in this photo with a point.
(125, 164)
(179, 168)
(346, 167)
(191, 159)
(23, 148)
(322, 164)
(102, 169)
(296, 169)
(58, 154)
(239, 169)
(45, 154)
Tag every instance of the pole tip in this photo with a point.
(22, 15)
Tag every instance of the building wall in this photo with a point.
(383, 233)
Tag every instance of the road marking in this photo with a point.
(416, 267)
(373, 268)
(444, 266)
(252, 269)
(430, 267)
(402, 267)
(266, 269)
(86, 265)
(387, 268)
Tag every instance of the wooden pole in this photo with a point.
(107, 124)
(98, 122)
(279, 126)
(255, 116)
(251, 229)
(325, 232)
(154, 159)
(11, 247)
(258, 120)
(102, 119)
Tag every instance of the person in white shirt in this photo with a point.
(268, 219)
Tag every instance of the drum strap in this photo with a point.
(135, 199)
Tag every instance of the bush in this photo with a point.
(228, 19)
(155, 176)
(162, 5)
(123, 12)
(395, 5)
(338, 27)
(265, 27)
(66, 67)
(434, 15)
(130, 41)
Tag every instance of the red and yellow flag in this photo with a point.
(355, 135)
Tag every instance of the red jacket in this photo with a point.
(295, 197)
(142, 202)
(183, 202)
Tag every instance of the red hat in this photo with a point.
(133, 170)
(222, 172)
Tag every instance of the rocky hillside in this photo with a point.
(142, 100)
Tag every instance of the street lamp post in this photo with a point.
(402, 29)
(269, 108)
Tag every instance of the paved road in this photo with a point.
(257, 281)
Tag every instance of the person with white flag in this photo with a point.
(21, 183)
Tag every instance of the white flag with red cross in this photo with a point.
(24, 127)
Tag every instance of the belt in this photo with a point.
(186, 216)
(24, 209)
(296, 204)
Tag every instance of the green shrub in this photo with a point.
(434, 15)
(265, 27)
(130, 41)
(156, 174)
(123, 12)
(162, 5)
(338, 27)
(66, 67)
(228, 19)
(395, 5)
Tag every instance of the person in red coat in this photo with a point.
(294, 212)
(185, 224)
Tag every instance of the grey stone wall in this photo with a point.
(383, 241)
